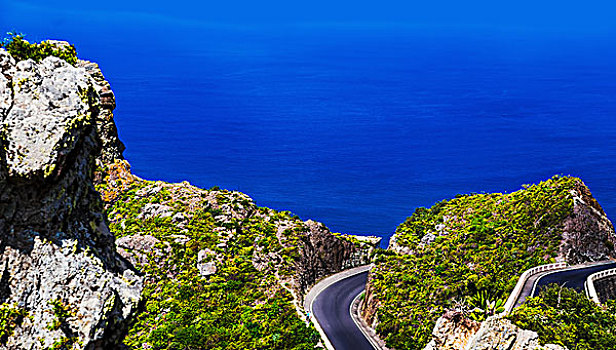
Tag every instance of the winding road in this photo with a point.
(571, 278)
(332, 309)
(331, 304)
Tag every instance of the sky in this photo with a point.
(563, 16)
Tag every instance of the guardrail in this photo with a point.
(515, 293)
(589, 285)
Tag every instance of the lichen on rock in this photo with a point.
(54, 243)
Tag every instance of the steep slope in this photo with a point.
(468, 251)
(62, 282)
(220, 272)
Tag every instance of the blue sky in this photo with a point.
(539, 15)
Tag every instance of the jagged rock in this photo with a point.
(323, 254)
(587, 230)
(396, 247)
(96, 297)
(497, 332)
(54, 243)
(454, 332)
(205, 268)
(136, 248)
(151, 210)
(112, 147)
(578, 224)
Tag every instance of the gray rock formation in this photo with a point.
(454, 332)
(55, 248)
(136, 248)
(588, 234)
(111, 146)
(606, 288)
(323, 254)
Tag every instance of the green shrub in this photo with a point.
(237, 307)
(564, 317)
(21, 49)
(10, 317)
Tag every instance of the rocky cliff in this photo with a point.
(62, 280)
(587, 233)
(93, 257)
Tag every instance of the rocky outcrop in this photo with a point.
(455, 332)
(111, 146)
(183, 236)
(138, 249)
(323, 254)
(57, 257)
(452, 331)
(588, 234)
(320, 253)
(606, 288)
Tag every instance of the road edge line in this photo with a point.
(323, 285)
(359, 324)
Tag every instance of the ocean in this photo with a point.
(355, 126)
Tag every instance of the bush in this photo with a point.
(10, 317)
(21, 49)
(237, 307)
(563, 316)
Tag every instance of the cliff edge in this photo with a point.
(62, 281)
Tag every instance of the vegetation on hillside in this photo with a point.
(238, 306)
(464, 250)
(10, 317)
(563, 316)
(21, 49)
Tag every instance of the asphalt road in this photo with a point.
(331, 308)
(570, 278)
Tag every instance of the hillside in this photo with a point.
(462, 253)
(220, 272)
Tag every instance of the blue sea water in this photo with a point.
(355, 126)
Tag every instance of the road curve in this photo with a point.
(331, 309)
(571, 278)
